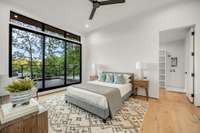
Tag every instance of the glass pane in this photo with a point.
(54, 31)
(26, 25)
(73, 63)
(27, 55)
(72, 36)
(77, 61)
(54, 62)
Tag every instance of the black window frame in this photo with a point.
(11, 26)
(39, 24)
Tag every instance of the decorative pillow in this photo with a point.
(127, 78)
(102, 77)
(119, 79)
(109, 78)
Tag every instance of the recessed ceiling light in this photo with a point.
(16, 16)
(87, 26)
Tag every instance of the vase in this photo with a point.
(21, 98)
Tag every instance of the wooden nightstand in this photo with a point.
(33, 123)
(141, 84)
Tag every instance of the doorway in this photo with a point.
(176, 60)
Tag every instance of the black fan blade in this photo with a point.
(92, 13)
(109, 2)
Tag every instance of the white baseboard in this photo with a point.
(175, 89)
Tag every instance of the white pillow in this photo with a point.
(127, 78)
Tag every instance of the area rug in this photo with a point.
(67, 118)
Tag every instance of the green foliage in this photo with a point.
(20, 85)
(27, 56)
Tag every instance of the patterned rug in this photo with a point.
(67, 118)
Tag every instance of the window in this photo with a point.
(54, 61)
(54, 31)
(46, 57)
(25, 21)
(39, 26)
(26, 54)
(73, 63)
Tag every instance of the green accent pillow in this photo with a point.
(119, 79)
(102, 77)
(109, 78)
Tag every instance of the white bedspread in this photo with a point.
(98, 99)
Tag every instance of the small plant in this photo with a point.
(20, 85)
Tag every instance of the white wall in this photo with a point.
(4, 34)
(120, 45)
(175, 81)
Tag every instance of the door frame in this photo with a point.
(193, 79)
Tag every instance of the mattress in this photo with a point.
(97, 99)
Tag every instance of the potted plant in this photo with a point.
(20, 91)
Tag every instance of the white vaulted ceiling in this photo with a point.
(74, 14)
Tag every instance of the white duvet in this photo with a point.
(98, 99)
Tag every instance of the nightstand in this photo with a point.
(141, 84)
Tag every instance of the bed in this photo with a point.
(96, 103)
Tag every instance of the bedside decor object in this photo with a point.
(20, 91)
(139, 69)
(141, 84)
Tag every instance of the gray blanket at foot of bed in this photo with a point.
(112, 95)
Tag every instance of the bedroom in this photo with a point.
(117, 44)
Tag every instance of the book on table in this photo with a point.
(9, 113)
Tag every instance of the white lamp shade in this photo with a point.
(138, 65)
(93, 70)
(93, 66)
(139, 70)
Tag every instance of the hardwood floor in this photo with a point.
(172, 113)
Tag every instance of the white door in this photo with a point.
(189, 79)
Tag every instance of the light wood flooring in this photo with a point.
(172, 113)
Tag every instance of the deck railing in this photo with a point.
(35, 71)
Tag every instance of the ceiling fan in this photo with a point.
(97, 4)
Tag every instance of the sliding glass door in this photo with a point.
(73, 63)
(54, 62)
(50, 60)
(27, 55)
